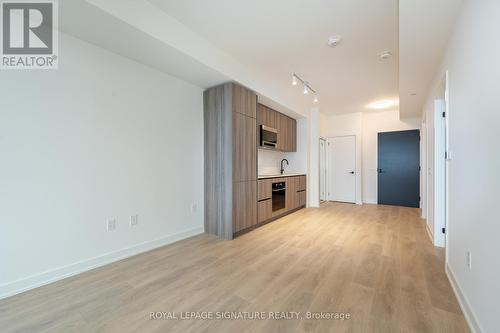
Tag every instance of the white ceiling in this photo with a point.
(424, 30)
(283, 36)
(260, 43)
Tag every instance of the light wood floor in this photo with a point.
(375, 262)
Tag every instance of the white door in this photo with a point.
(342, 168)
(322, 169)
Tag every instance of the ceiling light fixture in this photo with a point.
(383, 104)
(307, 87)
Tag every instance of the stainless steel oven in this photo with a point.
(268, 137)
(279, 196)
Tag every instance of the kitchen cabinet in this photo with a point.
(265, 210)
(291, 193)
(295, 197)
(244, 151)
(230, 150)
(265, 189)
(244, 205)
(286, 126)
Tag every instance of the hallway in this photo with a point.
(374, 262)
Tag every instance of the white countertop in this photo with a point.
(280, 175)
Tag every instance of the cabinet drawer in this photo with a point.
(265, 189)
(265, 210)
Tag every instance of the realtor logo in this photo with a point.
(29, 38)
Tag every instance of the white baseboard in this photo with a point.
(370, 202)
(38, 280)
(464, 303)
(429, 232)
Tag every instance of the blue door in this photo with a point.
(399, 168)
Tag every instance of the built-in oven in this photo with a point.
(279, 196)
(268, 137)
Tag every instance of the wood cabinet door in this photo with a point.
(244, 148)
(292, 125)
(291, 202)
(265, 189)
(244, 205)
(280, 122)
(300, 183)
(264, 210)
(301, 198)
(244, 101)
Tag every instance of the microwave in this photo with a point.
(268, 137)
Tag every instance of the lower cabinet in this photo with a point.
(296, 196)
(300, 198)
(244, 205)
(264, 210)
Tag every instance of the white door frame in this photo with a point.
(355, 166)
(447, 163)
(325, 157)
(439, 176)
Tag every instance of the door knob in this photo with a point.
(380, 171)
(351, 172)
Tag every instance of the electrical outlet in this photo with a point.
(194, 207)
(111, 224)
(469, 260)
(134, 220)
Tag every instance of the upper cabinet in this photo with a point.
(286, 126)
(244, 101)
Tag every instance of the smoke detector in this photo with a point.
(334, 41)
(385, 55)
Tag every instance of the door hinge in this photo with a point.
(444, 114)
(443, 230)
(419, 168)
(445, 155)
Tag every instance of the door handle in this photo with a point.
(380, 171)
(351, 172)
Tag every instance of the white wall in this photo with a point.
(365, 126)
(472, 61)
(101, 138)
(343, 125)
(374, 123)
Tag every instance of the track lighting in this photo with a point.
(307, 87)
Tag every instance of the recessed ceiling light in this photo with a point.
(334, 41)
(385, 55)
(383, 104)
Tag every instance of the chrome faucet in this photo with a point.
(282, 168)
